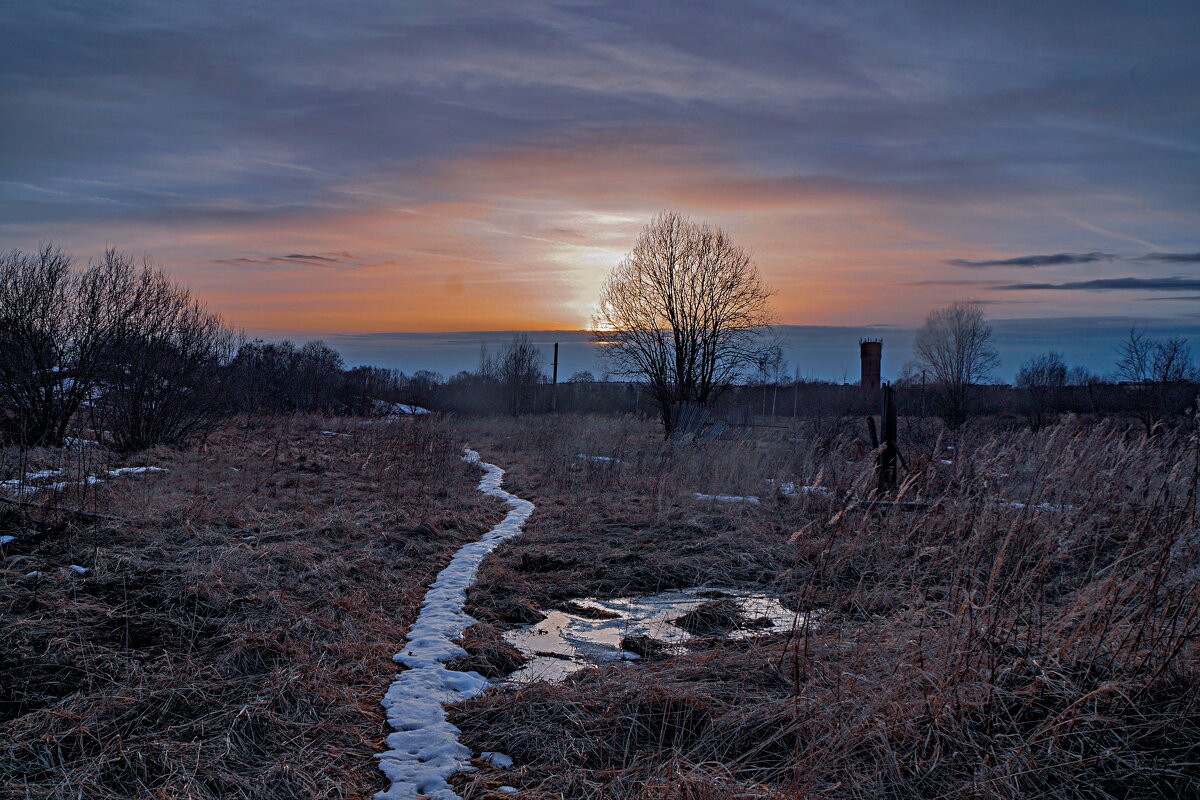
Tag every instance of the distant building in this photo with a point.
(871, 356)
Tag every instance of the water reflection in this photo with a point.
(593, 630)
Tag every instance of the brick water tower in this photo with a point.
(870, 352)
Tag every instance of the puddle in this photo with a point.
(566, 642)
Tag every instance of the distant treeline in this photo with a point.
(119, 352)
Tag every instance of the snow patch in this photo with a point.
(598, 459)
(790, 489)
(77, 568)
(1018, 505)
(118, 472)
(26, 486)
(424, 749)
(406, 409)
(728, 498)
(6, 538)
(497, 759)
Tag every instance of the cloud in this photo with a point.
(943, 282)
(508, 155)
(1053, 260)
(1175, 258)
(290, 258)
(1174, 284)
(304, 257)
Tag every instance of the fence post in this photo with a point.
(887, 455)
(554, 381)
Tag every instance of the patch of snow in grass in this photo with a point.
(790, 489)
(77, 568)
(600, 459)
(25, 485)
(405, 409)
(119, 471)
(6, 538)
(497, 759)
(424, 749)
(20, 487)
(1018, 505)
(728, 498)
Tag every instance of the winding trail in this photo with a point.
(424, 749)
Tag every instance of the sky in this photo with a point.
(364, 168)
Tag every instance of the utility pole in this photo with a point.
(554, 381)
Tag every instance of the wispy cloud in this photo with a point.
(290, 258)
(1175, 258)
(1052, 260)
(1174, 284)
(488, 168)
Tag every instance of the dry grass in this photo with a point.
(970, 649)
(233, 634)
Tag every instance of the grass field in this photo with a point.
(233, 633)
(1031, 632)
(1025, 627)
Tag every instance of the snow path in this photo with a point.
(424, 750)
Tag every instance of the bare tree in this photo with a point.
(955, 346)
(56, 324)
(1164, 370)
(517, 368)
(164, 378)
(770, 370)
(276, 377)
(685, 312)
(1136, 358)
(318, 377)
(1080, 375)
(1042, 377)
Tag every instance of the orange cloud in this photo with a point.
(521, 237)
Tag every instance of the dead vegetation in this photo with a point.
(233, 631)
(1028, 629)
(1031, 631)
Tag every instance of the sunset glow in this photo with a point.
(443, 168)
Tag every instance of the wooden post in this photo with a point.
(887, 456)
(554, 382)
